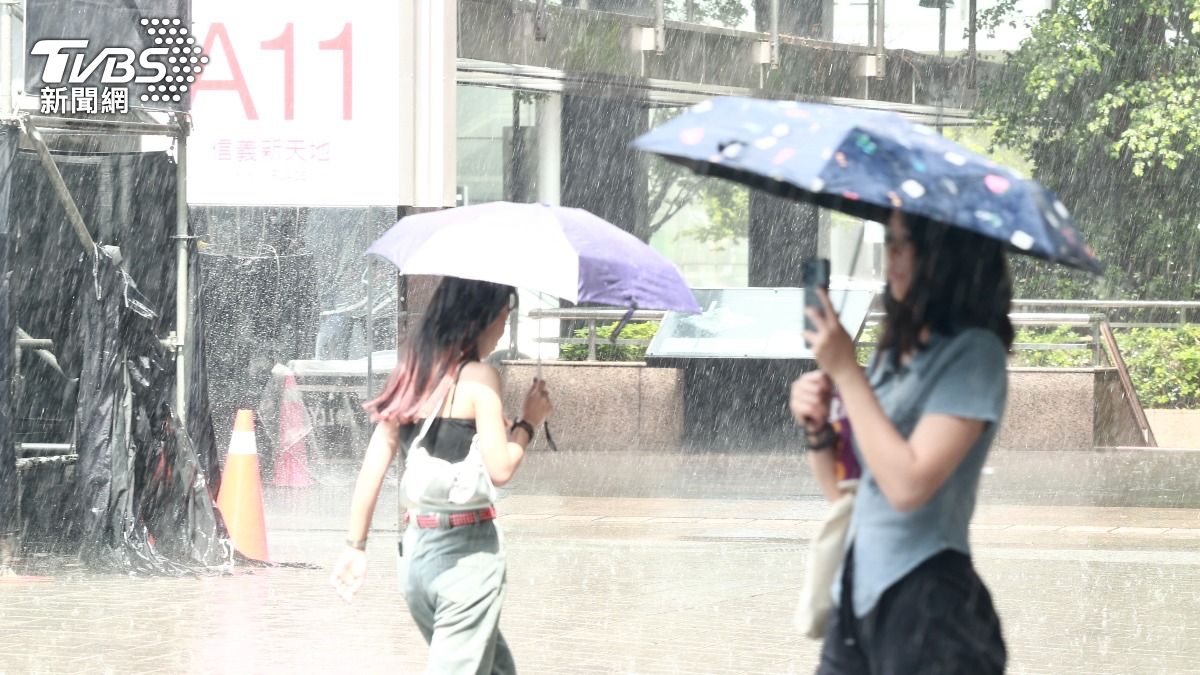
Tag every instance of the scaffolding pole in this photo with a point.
(182, 240)
(60, 187)
(6, 59)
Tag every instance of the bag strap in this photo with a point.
(434, 413)
(436, 410)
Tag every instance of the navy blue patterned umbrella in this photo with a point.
(867, 163)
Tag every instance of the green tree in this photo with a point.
(1104, 98)
(728, 13)
(672, 187)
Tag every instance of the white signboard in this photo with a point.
(297, 104)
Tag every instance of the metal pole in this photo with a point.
(39, 347)
(513, 324)
(549, 148)
(880, 52)
(941, 55)
(6, 62)
(514, 155)
(591, 356)
(60, 187)
(942, 29)
(27, 449)
(76, 125)
(774, 34)
(182, 306)
(370, 330)
(539, 21)
(691, 10)
(870, 23)
(972, 28)
(660, 27)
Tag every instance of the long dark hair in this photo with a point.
(446, 338)
(960, 280)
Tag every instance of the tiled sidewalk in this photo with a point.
(608, 585)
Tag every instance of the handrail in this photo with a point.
(1114, 354)
(1109, 304)
(1182, 307)
(598, 313)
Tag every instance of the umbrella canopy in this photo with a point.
(868, 163)
(566, 252)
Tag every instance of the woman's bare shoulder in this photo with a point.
(478, 372)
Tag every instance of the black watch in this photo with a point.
(522, 424)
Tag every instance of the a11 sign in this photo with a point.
(297, 105)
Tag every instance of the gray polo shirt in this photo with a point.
(964, 375)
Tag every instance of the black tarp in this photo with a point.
(9, 485)
(140, 498)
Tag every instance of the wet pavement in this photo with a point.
(619, 585)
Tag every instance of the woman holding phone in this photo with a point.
(924, 414)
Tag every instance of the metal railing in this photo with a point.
(591, 316)
(1100, 339)
(40, 454)
(1186, 310)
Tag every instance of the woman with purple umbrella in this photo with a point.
(924, 414)
(442, 408)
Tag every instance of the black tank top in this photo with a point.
(449, 438)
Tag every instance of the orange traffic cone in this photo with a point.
(291, 458)
(240, 498)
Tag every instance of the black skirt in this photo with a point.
(938, 619)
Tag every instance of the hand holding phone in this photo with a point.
(814, 274)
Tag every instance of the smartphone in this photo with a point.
(814, 274)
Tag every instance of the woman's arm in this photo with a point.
(380, 452)
(502, 450)
(909, 472)
(824, 470)
(351, 568)
(809, 402)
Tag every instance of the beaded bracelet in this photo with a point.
(823, 439)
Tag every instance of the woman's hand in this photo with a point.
(349, 573)
(809, 401)
(537, 406)
(829, 342)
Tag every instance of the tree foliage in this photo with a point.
(672, 188)
(728, 13)
(1104, 98)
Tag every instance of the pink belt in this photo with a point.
(452, 519)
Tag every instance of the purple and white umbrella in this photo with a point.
(565, 252)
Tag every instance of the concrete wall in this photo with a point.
(603, 406)
(1067, 409)
(1176, 428)
(1048, 409)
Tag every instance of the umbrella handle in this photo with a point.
(622, 323)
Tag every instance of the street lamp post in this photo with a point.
(942, 6)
